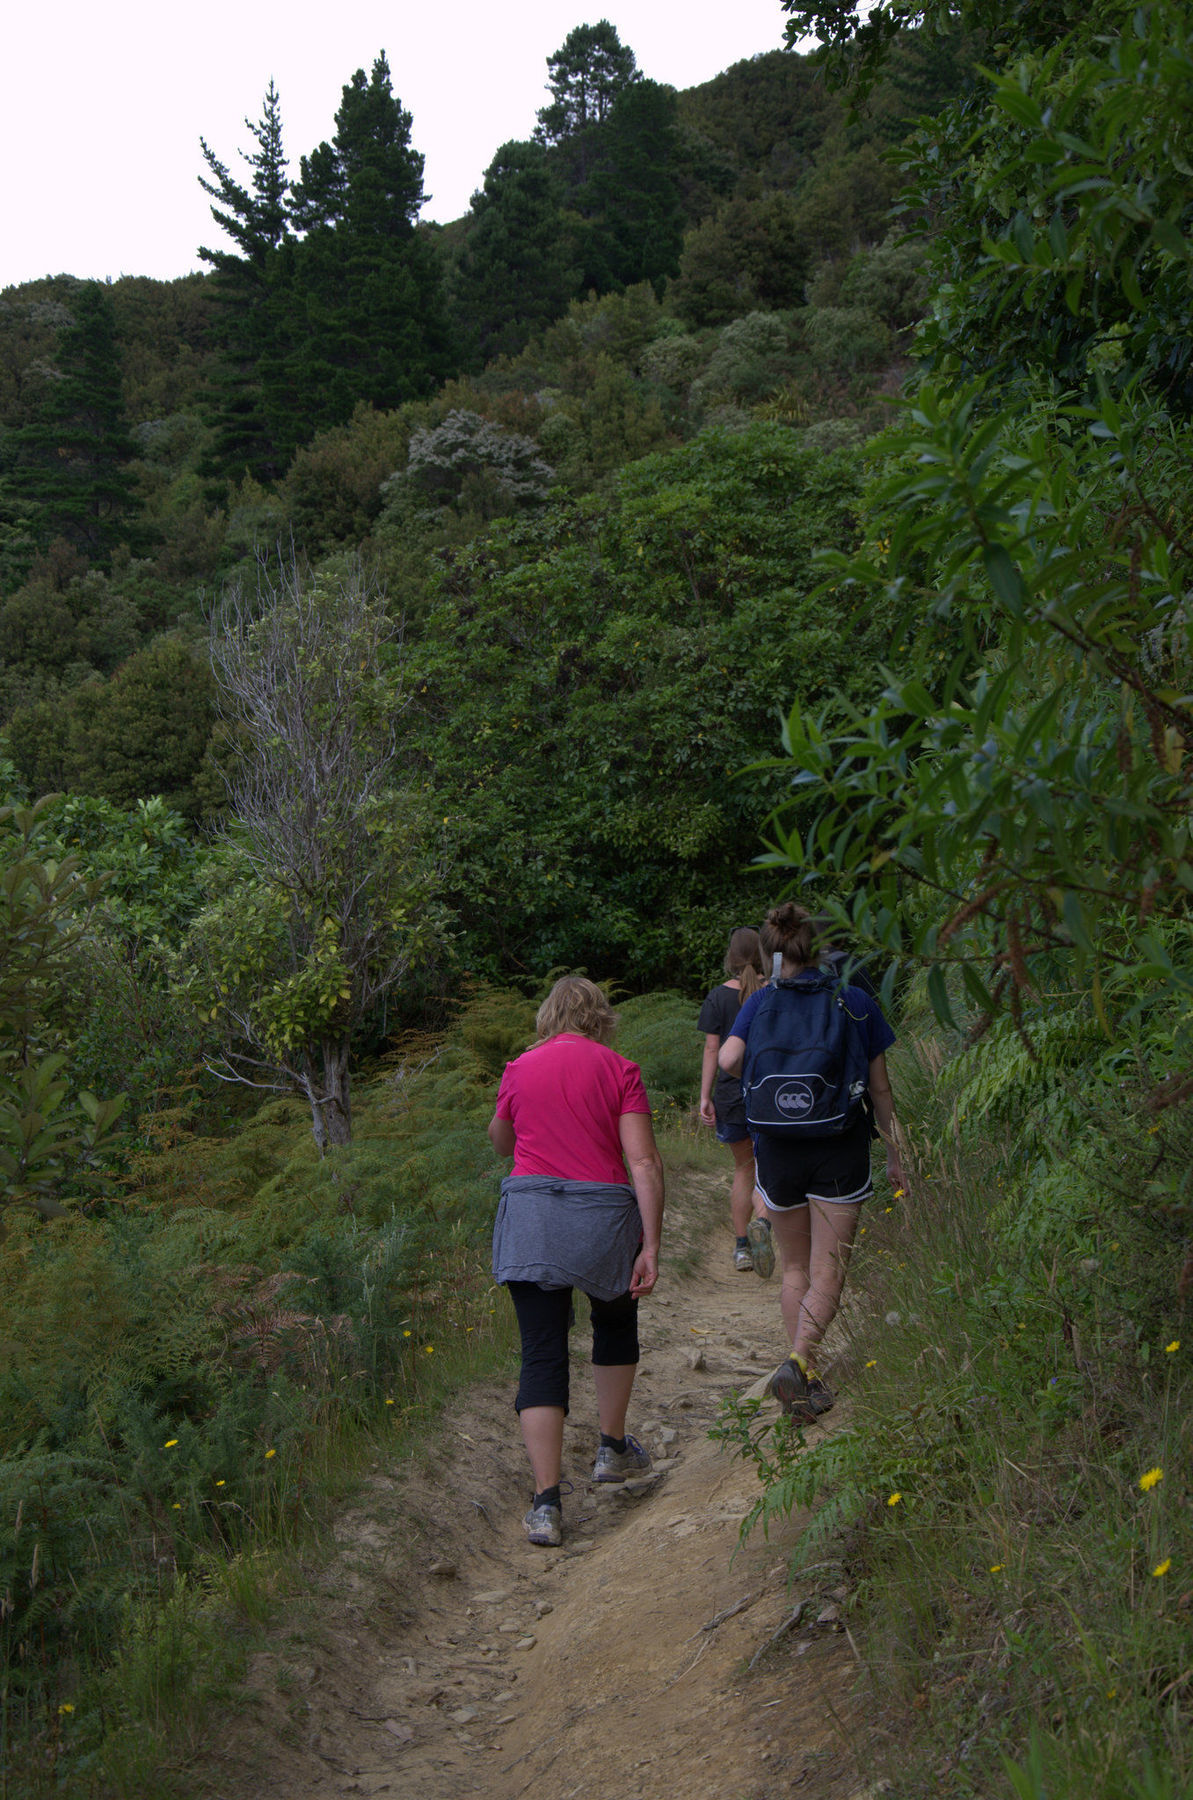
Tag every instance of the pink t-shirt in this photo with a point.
(564, 1099)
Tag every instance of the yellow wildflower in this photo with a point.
(270, 1453)
(996, 1568)
(898, 1193)
(430, 1349)
(406, 1334)
(66, 1707)
(873, 1363)
(1163, 1567)
(1169, 1348)
(894, 1499)
(1148, 1481)
(169, 1443)
(389, 1402)
(221, 1483)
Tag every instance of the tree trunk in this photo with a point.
(330, 1096)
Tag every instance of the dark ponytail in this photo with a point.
(791, 930)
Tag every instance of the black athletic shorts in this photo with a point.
(791, 1171)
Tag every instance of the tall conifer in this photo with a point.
(249, 404)
(70, 463)
(370, 322)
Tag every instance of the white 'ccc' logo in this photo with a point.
(795, 1100)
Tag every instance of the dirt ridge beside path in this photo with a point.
(443, 1656)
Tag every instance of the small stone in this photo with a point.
(490, 1598)
(445, 1570)
(894, 1318)
(828, 1615)
(649, 1425)
(510, 1627)
(463, 1715)
(542, 1608)
(501, 1699)
(640, 1484)
(666, 1434)
(696, 1361)
(580, 1545)
(526, 1643)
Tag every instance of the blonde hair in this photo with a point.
(743, 959)
(575, 1004)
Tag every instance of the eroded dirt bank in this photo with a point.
(443, 1656)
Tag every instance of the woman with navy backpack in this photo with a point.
(810, 1051)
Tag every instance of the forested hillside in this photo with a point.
(794, 468)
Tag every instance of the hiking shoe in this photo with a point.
(762, 1248)
(791, 1388)
(544, 1524)
(616, 1465)
(743, 1259)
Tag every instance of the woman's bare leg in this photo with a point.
(542, 1433)
(744, 1199)
(832, 1231)
(613, 1384)
(792, 1233)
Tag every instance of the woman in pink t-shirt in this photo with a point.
(575, 1117)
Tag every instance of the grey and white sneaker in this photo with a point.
(762, 1247)
(743, 1259)
(619, 1465)
(544, 1524)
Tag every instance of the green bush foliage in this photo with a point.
(589, 685)
(171, 1374)
(1008, 1499)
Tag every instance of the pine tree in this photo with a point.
(520, 265)
(369, 321)
(585, 75)
(70, 463)
(249, 401)
(632, 194)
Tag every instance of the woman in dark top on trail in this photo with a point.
(721, 1102)
(813, 1187)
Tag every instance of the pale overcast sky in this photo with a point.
(102, 107)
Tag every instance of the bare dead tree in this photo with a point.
(329, 846)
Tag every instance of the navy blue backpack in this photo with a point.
(805, 1069)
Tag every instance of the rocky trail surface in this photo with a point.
(441, 1655)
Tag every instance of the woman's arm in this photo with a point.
(501, 1135)
(731, 1055)
(646, 1173)
(884, 1118)
(708, 1076)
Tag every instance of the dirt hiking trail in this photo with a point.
(441, 1655)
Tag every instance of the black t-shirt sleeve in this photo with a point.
(719, 1011)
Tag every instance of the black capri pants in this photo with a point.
(544, 1315)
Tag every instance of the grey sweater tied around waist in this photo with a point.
(582, 1234)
